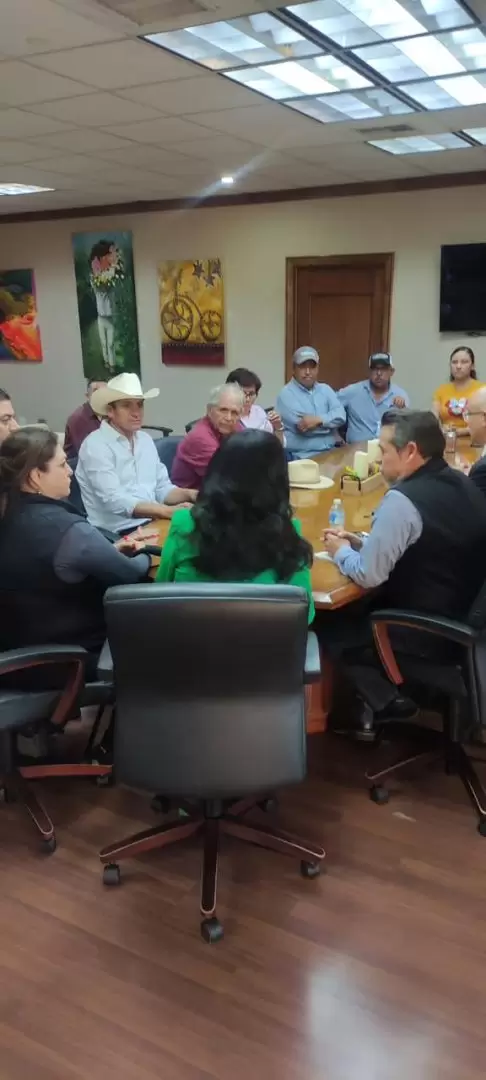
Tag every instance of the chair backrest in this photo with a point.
(191, 424)
(209, 684)
(75, 496)
(167, 449)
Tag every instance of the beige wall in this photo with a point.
(253, 243)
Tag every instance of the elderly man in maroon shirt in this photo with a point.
(82, 421)
(194, 453)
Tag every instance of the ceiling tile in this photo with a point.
(119, 64)
(19, 124)
(36, 26)
(83, 141)
(219, 147)
(193, 95)
(96, 110)
(22, 84)
(449, 161)
(163, 130)
(146, 156)
(72, 164)
(270, 125)
(12, 151)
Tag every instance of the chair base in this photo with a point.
(211, 822)
(15, 789)
(436, 746)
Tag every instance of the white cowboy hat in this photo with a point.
(305, 473)
(120, 388)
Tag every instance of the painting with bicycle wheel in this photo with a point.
(192, 312)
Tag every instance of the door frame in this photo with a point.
(381, 260)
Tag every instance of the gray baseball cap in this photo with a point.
(305, 354)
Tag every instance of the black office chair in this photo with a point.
(46, 712)
(191, 424)
(167, 449)
(210, 708)
(459, 685)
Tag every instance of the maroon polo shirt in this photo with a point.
(194, 454)
(80, 424)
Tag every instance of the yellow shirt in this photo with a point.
(452, 404)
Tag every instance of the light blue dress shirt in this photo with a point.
(296, 401)
(364, 412)
(397, 525)
(113, 478)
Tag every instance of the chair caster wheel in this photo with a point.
(310, 869)
(379, 795)
(482, 827)
(49, 846)
(160, 804)
(111, 874)
(268, 806)
(212, 930)
(105, 781)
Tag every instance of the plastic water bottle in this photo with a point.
(337, 517)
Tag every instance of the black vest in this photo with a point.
(35, 606)
(445, 569)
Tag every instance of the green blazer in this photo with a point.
(178, 552)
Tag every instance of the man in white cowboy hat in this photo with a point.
(119, 472)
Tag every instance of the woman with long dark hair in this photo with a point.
(451, 398)
(241, 527)
(54, 566)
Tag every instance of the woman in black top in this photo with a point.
(54, 566)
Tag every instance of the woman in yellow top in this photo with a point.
(450, 399)
(241, 527)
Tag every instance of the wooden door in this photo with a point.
(341, 306)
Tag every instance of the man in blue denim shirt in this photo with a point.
(310, 410)
(366, 402)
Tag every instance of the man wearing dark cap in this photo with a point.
(310, 410)
(366, 402)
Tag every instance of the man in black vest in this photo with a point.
(425, 551)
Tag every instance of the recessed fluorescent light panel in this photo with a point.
(420, 144)
(477, 133)
(22, 189)
(347, 59)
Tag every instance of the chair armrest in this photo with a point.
(155, 427)
(40, 656)
(436, 625)
(312, 670)
(449, 629)
(105, 663)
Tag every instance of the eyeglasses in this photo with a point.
(473, 412)
(9, 418)
(249, 394)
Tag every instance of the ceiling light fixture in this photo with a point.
(22, 189)
(227, 180)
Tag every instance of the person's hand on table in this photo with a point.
(399, 402)
(136, 541)
(307, 423)
(333, 539)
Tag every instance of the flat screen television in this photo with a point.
(463, 288)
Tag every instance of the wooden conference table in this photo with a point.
(330, 588)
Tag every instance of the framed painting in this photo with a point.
(105, 286)
(19, 330)
(191, 300)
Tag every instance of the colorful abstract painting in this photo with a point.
(192, 312)
(19, 330)
(105, 285)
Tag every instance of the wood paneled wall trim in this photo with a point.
(334, 191)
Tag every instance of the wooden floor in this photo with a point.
(376, 971)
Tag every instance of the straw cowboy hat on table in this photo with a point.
(122, 388)
(305, 473)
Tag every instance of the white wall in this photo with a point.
(253, 243)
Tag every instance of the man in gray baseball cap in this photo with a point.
(310, 410)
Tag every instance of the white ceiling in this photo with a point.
(102, 117)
